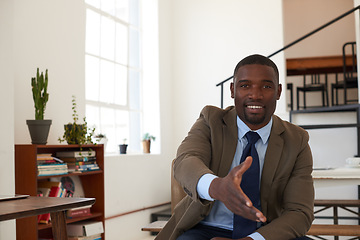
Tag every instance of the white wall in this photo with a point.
(7, 184)
(300, 19)
(210, 38)
(49, 35)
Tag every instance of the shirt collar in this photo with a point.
(263, 132)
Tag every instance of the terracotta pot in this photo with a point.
(146, 146)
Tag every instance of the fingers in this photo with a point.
(228, 191)
(220, 238)
(243, 167)
(239, 172)
(246, 210)
(261, 217)
(251, 213)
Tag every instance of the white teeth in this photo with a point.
(254, 107)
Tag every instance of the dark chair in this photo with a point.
(289, 87)
(349, 74)
(314, 85)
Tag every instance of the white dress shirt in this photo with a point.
(220, 216)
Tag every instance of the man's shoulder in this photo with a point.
(216, 112)
(287, 127)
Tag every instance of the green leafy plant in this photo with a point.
(100, 135)
(147, 136)
(146, 141)
(40, 94)
(76, 133)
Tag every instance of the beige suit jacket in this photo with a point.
(287, 193)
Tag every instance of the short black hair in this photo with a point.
(257, 59)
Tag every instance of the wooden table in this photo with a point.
(336, 177)
(32, 206)
(311, 65)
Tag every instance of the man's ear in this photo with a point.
(279, 91)
(232, 89)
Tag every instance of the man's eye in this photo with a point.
(267, 86)
(244, 85)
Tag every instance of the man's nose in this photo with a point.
(256, 93)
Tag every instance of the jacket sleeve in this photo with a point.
(194, 155)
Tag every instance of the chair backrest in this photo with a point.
(177, 192)
(349, 61)
(315, 79)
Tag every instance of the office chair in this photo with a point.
(349, 74)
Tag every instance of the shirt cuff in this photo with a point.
(203, 186)
(256, 236)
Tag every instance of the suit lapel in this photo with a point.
(229, 135)
(272, 158)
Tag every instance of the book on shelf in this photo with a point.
(83, 166)
(52, 169)
(43, 192)
(54, 192)
(92, 237)
(89, 167)
(52, 166)
(49, 189)
(85, 228)
(48, 184)
(72, 184)
(47, 162)
(44, 156)
(88, 153)
(52, 160)
(78, 159)
(78, 212)
(48, 165)
(47, 157)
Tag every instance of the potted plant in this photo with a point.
(101, 138)
(123, 147)
(146, 141)
(39, 128)
(76, 133)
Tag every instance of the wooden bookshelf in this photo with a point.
(26, 182)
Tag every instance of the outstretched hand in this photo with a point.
(220, 238)
(228, 191)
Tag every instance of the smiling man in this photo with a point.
(246, 172)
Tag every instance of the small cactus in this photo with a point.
(40, 95)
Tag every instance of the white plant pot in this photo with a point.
(101, 141)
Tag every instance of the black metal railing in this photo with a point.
(221, 84)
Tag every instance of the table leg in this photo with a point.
(58, 222)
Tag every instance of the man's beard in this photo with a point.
(254, 119)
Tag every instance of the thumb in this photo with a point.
(243, 167)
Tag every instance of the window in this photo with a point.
(114, 71)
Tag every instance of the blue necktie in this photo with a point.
(250, 185)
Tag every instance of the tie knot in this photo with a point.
(252, 137)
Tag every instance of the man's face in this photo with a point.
(255, 90)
